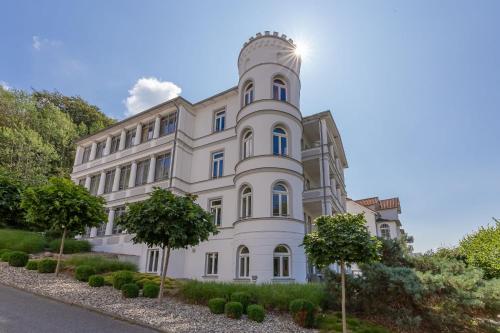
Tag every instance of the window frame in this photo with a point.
(130, 137)
(86, 154)
(281, 137)
(108, 184)
(218, 210)
(99, 149)
(246, 202)
(124, 181)
(142, 172)
(247, 144)
(280, 194)
(165, 156)
(248, 94)
(217, 171)
(278, 89)
(219, 124)
(213, 270)
(117, 229)
(155, 265)
(281, 259)
(94, 183)
(115, 144)
(243, 258)
(147, 131)
(168, 124)
(384, 227)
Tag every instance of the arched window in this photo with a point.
(281, 262)
(385, 231)
(280, 144)
(248, 94)
(246, 202)
(244, 262)
(247, 145)
(280, 200)
(279, 90)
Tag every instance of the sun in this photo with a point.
(302, 49)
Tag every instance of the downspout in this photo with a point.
(177, 121)
(322, 165)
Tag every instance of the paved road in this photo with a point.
(22, 312)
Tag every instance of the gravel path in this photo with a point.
(170, 316)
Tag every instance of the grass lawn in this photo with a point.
(19, 240)
(332, 323)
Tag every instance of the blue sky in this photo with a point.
(413, 86)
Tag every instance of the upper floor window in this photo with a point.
(211, 263)
(108, 182)
(117, 228)
(280, 200)
(147, 131)
(162, 167)
(281, 262)
(246, 202)
(99, 151)
(216, 211)
(249, 94)
(220, 121)
(129, 138)
(142, 173)
(124, 177)
(280, 146)
(94, 184)
(115, 144)
(86, 154)
(167, 124)
(247, 144)
(279, 90)
(385, 231)
(244, 262)
(217, 164)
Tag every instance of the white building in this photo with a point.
(263, 169)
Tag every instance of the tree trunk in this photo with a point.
(61, 248)
(342, 277)
(164, 272)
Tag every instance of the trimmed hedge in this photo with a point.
(18, 259)
(70, 246)
(5, 255)
(233, 310)
(302, 312)
(47, 266)
(242, 297)
(130, 290)
(83, 272)
(122, 277)
(150, 290)
(32, 265)
(96, 281)
(256, 312)
(216, 305)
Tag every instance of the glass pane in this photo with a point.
(248, 267)
(209, 264)
(284, 205)
(286, 271)
(283, 94)
(276, 144)
(215, 263)
(221, 167)
(275, 92)
(276, 205)
(155, 266)
(249, 205)
(214, 171)
(276, 266)
(244, 207)
(242, 266)
(283, 146)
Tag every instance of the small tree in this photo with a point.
(169, 222)
(64, 206)
(341, 239)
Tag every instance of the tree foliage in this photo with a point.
(11, 214)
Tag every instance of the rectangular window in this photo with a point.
(119, 211)
(162, 168)
(220, 121)
(99, 151)
(211, 262)
(142, 173)
(108, 184)
(115, 144)
(216, 211)
(81, 182)
(124, 177)
(129, 138)
(94, 184)
(153, 259)
(167, 124)
(147, 131)
(86, 154)
(217, 164)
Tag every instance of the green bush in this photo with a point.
(303, 312)
(6, 255)
(242, 297)
(20, 240)
(2, 251)
(130, 290)
(122, 277)
(256, 312)
(47, 266)
(216, 305)
(100, 264)
(18, 259)
(83, 272)
(96, 281)
(233, 310)
(32, 265)
(150, 290)
(70, 246)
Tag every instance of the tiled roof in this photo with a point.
(377, 204)
(390, 203)
(368, 201)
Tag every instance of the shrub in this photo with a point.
(96, 281)
(122, 277)
(101, 264)
(6, 255)
(302, 312)
(83, 272)
(20, 240)
(47, 266)
(216, 305)
(32, 265)
(256, 313)
(233, 310)
(130, 290)
(242, 297)
(18, 259)
(150, 290)
(2, 251)
(70, 246)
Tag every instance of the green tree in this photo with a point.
(64, 206)
(11, 214)
(482, 249)
(343, 239)
(169, 222)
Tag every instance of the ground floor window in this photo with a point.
(152, 261)
(281, 262)
(244, 262)
(211, 263)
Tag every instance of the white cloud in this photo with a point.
(148, 92)
(4, 85)
(39, 43)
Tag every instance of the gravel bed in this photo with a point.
(170, 316)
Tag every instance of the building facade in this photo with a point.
(253, 160)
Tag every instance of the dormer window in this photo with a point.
(249, 94)
(279, 90)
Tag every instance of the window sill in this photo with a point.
(282, 279)
(210, 277)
